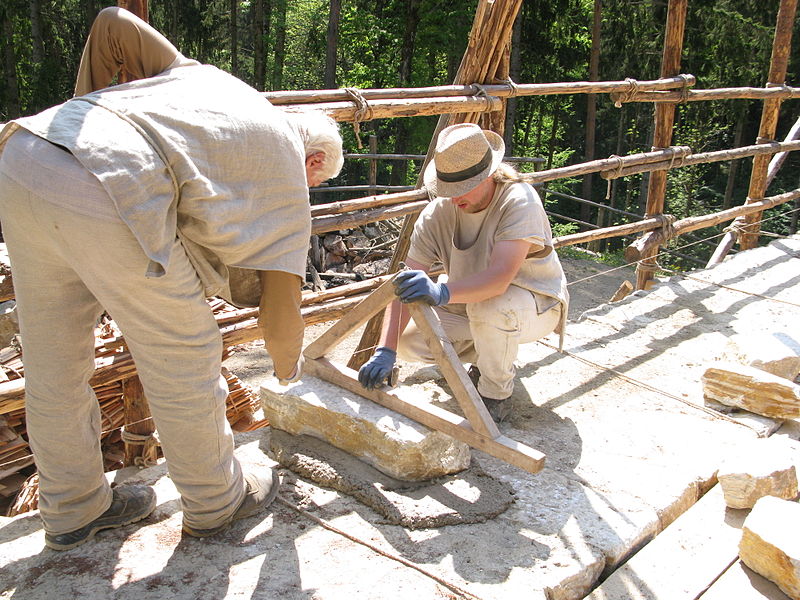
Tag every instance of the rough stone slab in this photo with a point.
(684, 560)
(741, 583)
(777, 352)
(766, 468)
(622, 459)
(752, 389)
(392, 443)
(770, 544)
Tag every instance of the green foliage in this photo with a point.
(400, 43)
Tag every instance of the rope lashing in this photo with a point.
(684, 88)
(512, 86)
(617, 173)
(150, 443)
(648, 267)
(628, 95)
(667, 226)
(481, 93)
(363, 112)
(787, 90)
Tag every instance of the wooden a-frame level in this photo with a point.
(477, 430)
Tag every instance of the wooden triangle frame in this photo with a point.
(477, 430)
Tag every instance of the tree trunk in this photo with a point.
(258, 44)
(333, 43)
(591, 110)
(551, 149)
(513, 73)
(400, 168)
(89, 13)
(12, 85)
(280, 44)
(234, 35)
(37, 48)
(734, 166)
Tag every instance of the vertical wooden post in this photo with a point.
(664, 120)
(781, 46)
(137, 419)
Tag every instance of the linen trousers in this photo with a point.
(69, 267)
(487, 334)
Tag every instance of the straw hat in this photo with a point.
(465, 156)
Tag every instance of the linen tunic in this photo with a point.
(514, 213)
(197, 151)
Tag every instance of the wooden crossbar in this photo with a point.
(478, 430)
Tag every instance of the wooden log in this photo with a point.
(446, 358)
(335, 208)
(779, 62)
(741, 93)
(390, 109)
(138, 424)
(279, 98)
(664, 120)
(351, 220)
(607, 232)
(647, 242)
(630, 166)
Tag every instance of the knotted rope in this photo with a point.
(150, 442)
(684, 88)
(363, 112)
(628, 95)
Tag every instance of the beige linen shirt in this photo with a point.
(515, 213)
(195, 151)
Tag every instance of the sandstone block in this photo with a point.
(764, 469)
(752, 389)
(392, 443)
(770, 545)
(777, 353)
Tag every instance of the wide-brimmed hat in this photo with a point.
(465, 156)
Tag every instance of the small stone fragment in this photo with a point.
(752, 389)
(763, 469)
(390, 442)
(770, 545)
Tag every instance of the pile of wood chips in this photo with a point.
(18, 479)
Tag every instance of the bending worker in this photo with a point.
(135, 199)
(505, 285)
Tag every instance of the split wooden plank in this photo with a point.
(370, 306)
(448, 361)
(684, 560)
(501, 447)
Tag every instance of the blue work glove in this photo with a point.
(411, 286)
(377, 369)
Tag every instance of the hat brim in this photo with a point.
(444, 189)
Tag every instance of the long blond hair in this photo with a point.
(505, 173)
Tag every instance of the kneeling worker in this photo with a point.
(505, 285)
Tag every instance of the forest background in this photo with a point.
(315, 44)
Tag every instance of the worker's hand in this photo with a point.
(378, 368)
(411, 286)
